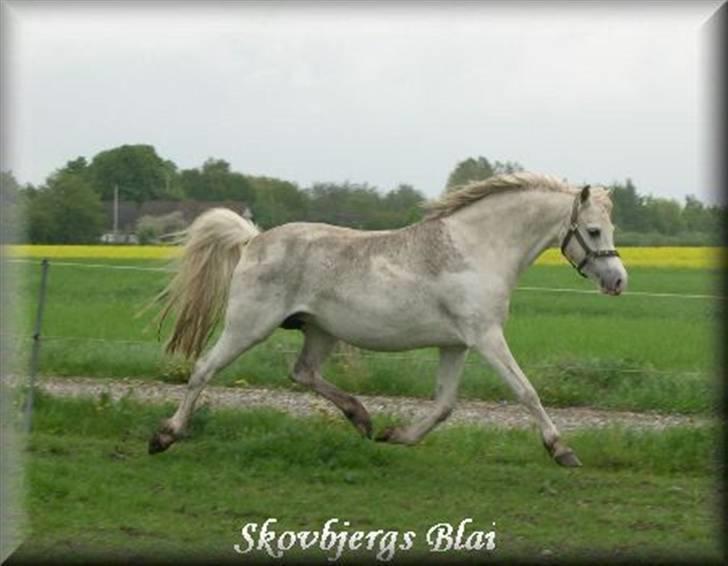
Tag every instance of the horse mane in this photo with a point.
(463, 195)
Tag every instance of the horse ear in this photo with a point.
(584, 194)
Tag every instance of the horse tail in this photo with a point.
(198, 292)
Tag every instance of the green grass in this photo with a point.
(93, 490)
(631, 352)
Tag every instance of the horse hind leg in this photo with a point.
(245, 326)
(317, 346)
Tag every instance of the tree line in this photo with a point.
(67, 207)
(639, 219)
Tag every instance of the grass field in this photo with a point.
(632, 352)
(93, 490)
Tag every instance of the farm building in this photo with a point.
(131, 212)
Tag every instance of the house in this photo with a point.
(129, 213)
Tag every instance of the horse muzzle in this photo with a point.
(614, 282)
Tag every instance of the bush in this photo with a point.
(649, 239)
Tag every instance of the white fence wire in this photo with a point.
(419, 359)
(520, 288)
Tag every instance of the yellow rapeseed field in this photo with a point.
(675, 257)
(686, 257)
(93, 252)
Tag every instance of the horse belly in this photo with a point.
(387, 327)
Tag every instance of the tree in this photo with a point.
(664, 215)
(506, 167)
(277, 201)
(40, 216)
(694, 215)
(629, 209)
(363, 206)
(137, 170)
(215, 181)
(78, 166)
(66, 211)
(172, 187)
(348, 204)
(403, 197)
(11, 209)
(716, 220)
(402, 206)
(479, 169)
(469, 170)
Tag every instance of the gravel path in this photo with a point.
(488, 413)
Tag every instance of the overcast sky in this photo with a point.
(377, 93)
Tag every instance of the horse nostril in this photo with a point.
(618, 284)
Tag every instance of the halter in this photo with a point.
(573, 231)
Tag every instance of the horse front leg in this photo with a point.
(448, 380)
(494, 349)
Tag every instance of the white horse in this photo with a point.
(444, 282)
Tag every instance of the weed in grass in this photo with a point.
(175, 369)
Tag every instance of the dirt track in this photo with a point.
(488, 413)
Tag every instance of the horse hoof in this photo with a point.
(568, 459)
(160, 442)
(359, 417)
(387, 434)
(395, 435)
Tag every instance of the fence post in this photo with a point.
(35, 353)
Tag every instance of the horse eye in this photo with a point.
(593, 232)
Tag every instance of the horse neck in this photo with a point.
(512, 229)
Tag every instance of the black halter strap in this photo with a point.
(573, 232)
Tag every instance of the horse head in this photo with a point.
(589, 241)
